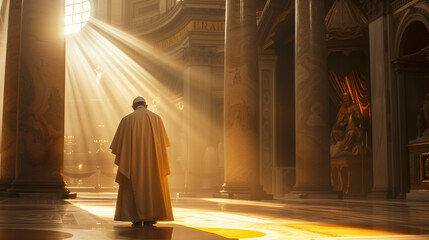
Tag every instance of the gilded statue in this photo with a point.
(423, 118)
(346, 134)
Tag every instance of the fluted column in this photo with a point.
(241, 100)
(40, 108)
(10, 96)
(311, 99)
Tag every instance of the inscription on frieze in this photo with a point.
(192, 26)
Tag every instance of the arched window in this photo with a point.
(76, 15)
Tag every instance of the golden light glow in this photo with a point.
(245, 202)
(102, 79)
(101, 211)
(242, 225)
(91, 102)
(341, 231)
(234, 233)
(197, 219)
(77, 14)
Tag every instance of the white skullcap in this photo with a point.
(138, 99)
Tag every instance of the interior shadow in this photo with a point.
(147, 233)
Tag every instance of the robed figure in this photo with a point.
(140, 145)
(346, 134)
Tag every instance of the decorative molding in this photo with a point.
(198, 56)
(397, 4)
(418, 12)
(375, 8)
(192, 26)
(209, 10)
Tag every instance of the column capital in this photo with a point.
(267, 59)
(198, 56)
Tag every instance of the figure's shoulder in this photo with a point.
(128, 116)
(154, 117)
(152, 114)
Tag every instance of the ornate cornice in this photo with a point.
(376, 8)
(184, 11)
(397, 4)
(189, 23)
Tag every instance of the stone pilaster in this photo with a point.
(10, 96)
(311, 100)
(241, 100)
(40, 102)
(197, 116)
(379, 64)
(267, 126)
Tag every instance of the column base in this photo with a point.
(422, 195)
(39, 190)
(39, 195)
(4, 186)
(6, 194)
(243, 192)
(314, 192)
(380, 193)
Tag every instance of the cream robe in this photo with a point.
(140, 145)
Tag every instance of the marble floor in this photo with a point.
(90, 215)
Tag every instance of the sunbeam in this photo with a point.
(102, 78)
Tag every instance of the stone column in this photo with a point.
(241, 100)
(311, 100)
(10, 96)
(40, 107)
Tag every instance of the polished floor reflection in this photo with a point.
(90, 217)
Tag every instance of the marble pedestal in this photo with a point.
(419, 169)
(351, 175)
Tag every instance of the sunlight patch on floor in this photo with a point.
(100, 211)
(341, 231)
(214, 222)
(237, 225)
(233, 232)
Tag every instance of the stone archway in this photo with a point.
(408, 86)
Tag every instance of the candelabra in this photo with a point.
(100, 143)
(69, 142)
